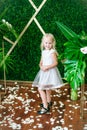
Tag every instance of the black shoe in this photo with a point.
(41, 105)
(49, 104)
(44, 111)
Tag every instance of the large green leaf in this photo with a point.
(4, 12)
(74, 72)
(68, 33)
(75, 62)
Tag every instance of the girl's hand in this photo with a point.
(44, 68)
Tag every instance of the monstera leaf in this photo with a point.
(75, 61)
(75, 73)
(68, 33)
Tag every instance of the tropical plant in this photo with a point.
(8, 63)
(5, 28)
(75, 60)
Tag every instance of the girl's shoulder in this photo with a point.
(49, 51)
(43, 52)
(53, 51)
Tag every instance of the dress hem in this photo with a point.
(53, 87)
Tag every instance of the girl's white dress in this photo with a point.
(51, 78)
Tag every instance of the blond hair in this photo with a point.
(52, 38)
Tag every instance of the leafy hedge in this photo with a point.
(26, 54)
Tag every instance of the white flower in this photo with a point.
(7, 23)
(84, 50)
(3, 20)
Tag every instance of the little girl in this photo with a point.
(48, 77)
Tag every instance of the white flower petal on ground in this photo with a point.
(40, 125)
(62, 121)
(34, 127)
(65, 128)
(15, 126)
(18, 118)
(57, 128)
(27, 121)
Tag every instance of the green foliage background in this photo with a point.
(26, 54)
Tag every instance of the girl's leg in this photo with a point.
(48, 94)
(44, 98)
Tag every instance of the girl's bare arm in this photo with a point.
(55, 61)
(41, 62)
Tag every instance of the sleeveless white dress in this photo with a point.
(51, 78)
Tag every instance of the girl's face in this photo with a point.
(48, 43)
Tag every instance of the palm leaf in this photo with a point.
(4, 12)
(74, 73)
(68, 33)
(75, 63)
(7, 63)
